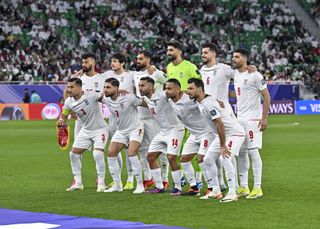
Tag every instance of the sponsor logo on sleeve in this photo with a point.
(213, 113)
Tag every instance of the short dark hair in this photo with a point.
(213, 47)
(120, 57)
(244, 52)
(148, 79)
(175, 44)
(146, 54)
(174, 81)
(77, 81)
(88, 55)
(197, 82)
(113, 81)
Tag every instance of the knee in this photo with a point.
(172, 158)
(151, 157)
(184, 159)
(208, 161)
(200, 158)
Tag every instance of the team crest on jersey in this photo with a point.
(155, 102)
(86, 102)
(214, 72)
(181, 74)
(245, 81)
(96, 84)
(121, 105)
(213, 112)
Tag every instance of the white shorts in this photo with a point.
(77, 128)
(168, 142)
(151, 129)
(253, 134)
(233, 143)
(85, 139)
(198, 144)
(126, 137)
(112, 126)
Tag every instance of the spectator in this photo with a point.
(26, 96)
(35, 97)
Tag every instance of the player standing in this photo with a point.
(199, 140)
(249, 87)
(230, 132)
(168, 141)
(129, 133)
(94, 129)
(151, 127)
(182, 70)
(125, 78)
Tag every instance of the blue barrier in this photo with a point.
(307, 107)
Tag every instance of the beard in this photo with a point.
(139, 67)
(87, 69)
(206, 61)
(171, 58)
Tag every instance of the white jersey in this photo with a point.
(162, 112)
(248, 87)
(125, 112)
(125, 79)
(159, 79)
(216, 81)
(211, 110)
(93, 83)
(188, 112)
(87, 110)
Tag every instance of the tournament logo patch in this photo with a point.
(213, 112)
(263, 82)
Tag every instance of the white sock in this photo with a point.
(220, 172)
(119, 158)
(164, 164)
(145, 165)
(234, 162)
(230, 174)
(114, 170)
(256, 166)
(156, 175)
(210, 168)
(98, 156)
(75, 161)
(129, 168)
(198, 177)
(189, 172)
(137, 169)
(243, 165)
(176, 176)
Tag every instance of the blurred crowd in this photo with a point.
(43, 40)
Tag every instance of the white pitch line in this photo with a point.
(288, 124)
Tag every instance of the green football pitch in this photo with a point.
(34, 174)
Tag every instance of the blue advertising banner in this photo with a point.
(307, 107)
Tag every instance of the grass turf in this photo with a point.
(34, 173)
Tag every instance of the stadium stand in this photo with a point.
(43, 40)
(313, 8)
